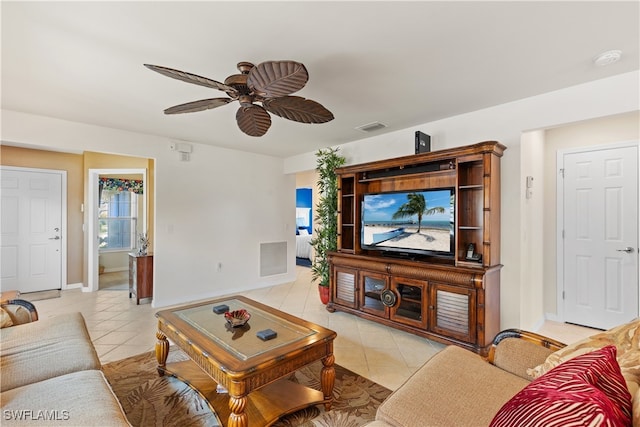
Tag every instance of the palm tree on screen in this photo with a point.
(416, 205)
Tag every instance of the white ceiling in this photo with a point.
(399, 63)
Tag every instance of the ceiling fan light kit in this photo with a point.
(269, 83)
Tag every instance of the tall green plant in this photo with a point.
(326, 232)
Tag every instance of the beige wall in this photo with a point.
(72, 164)
(94, 160)
(307, 179)
(602, 131)
(77, 166)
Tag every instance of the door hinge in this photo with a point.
(563, 234)
(561, 172)
(562, 294)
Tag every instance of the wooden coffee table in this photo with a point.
(251, 371)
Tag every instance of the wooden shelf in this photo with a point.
(471, 264)
(264, 406)
(458, 299)
(445, 172)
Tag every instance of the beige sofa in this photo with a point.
(50, 373)
(459, 388)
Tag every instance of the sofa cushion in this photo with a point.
(625, 337)
(454, 388)
(20, 311)
(5, 318)
(81, 398)
(587, 390)
(44, 349)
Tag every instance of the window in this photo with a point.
(117, 220)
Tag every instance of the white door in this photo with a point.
(31, 229)
(601, 236)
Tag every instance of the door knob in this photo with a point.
(54, 238)
(628, 250)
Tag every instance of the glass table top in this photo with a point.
(242, 341)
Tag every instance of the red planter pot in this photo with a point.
(324, 294)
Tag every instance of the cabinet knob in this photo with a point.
(388, 298)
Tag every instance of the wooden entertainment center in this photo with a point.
(451, 299)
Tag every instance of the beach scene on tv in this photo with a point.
(410, 220)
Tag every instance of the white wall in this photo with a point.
(195, 230)
(506, 123)
(114, 261)
(532, 203)
(216, 208)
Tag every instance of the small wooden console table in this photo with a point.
(140, 276)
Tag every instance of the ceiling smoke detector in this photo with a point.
(371, 127)
(608, 57)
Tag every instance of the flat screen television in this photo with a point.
(409, 222)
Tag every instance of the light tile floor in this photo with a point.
(119, 328)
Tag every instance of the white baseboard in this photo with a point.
(538, 324)
(553, 317)
(72, 286)
(116, 269)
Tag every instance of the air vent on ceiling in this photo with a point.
(371, 127)
(607, 58)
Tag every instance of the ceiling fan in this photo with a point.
(270, 83)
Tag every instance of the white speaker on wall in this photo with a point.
(183, 148)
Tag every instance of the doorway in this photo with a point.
(598, 247)
(94, 238)
(33, 229)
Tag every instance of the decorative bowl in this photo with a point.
(237, 318)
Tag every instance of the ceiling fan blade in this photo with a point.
(272, 79)
(193, 78)
(298, 109)
(203, 104)
(253, 120)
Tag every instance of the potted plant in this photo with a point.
(326, 231)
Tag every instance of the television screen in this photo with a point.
(420, 222)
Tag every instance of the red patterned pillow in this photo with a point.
(588, 390)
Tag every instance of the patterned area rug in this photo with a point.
(150, 400)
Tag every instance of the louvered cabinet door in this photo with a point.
(345, 286)
(453, 311)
